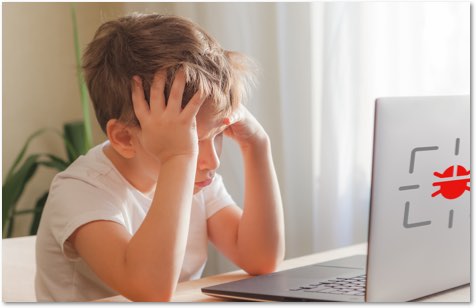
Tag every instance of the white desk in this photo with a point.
(19, 271)
(190, 291)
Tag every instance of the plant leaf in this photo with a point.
(14, 186)
(39, 206)
(74, 135)
(23, 150)
(23, 212)
(9, 227)
(88, 138)
(71, 152)
(55, 162)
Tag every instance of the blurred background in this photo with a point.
(322, 65)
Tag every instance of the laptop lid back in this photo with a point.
(419, 233)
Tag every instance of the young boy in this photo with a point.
(134, 215)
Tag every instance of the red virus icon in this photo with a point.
(453, 186)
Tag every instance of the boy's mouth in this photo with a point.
(204, 183)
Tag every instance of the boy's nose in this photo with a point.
(208, 158)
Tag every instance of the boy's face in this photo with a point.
(210, 129)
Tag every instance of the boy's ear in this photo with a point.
(120, 136)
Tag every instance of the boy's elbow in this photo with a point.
(150, 295)
(154, 297)
(146, 289)
(267, 262)
(263, 268)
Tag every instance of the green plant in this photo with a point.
(77, 138)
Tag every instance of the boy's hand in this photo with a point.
(167, 131)
(244, 128)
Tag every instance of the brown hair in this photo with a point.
(142, 44)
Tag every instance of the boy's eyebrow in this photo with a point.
(216, 132)
(222, 129)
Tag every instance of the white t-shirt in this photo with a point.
(93, 189)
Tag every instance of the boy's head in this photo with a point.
(142, 44)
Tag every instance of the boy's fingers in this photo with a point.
(157, 96)
(193, 106)
(234, 117)
(138, 100)
(176, 92)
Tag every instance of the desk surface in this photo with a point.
(190, 291)
(18, 268)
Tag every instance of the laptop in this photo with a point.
(419, 224)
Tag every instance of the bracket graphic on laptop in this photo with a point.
(454, 185)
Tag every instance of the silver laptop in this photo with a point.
(419, 226)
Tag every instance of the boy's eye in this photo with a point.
(219, 136)
(218, 141)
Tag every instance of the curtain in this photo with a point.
(322, 65)
(370, 50)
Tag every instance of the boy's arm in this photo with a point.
(147, 265)
(254, 238)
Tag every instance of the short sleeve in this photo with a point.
(216, 196)
(73, 203)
